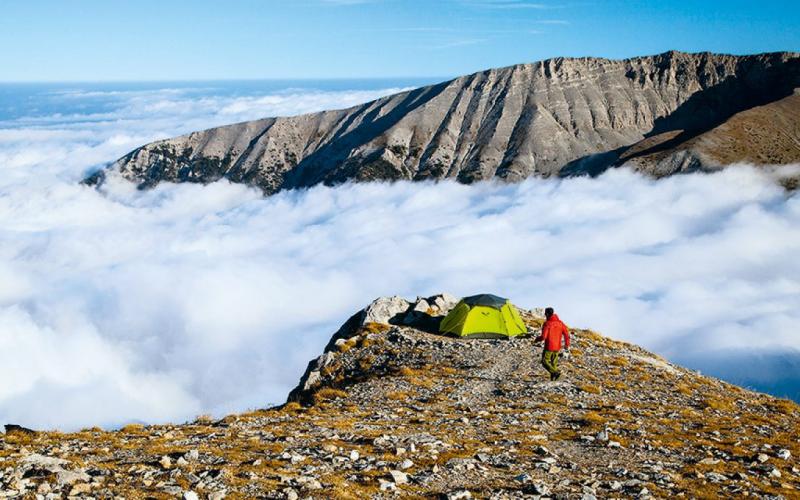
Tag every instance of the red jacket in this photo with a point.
(552, 331)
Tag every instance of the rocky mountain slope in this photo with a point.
(391, 410)
(662, 114)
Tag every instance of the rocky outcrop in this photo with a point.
(561, 116)
(396, 411)
(423, 314)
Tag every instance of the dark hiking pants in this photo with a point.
(550, 362)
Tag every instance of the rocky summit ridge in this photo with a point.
(662, 114)
(393, 410)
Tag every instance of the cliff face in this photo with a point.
(554, 117)
(391, 409)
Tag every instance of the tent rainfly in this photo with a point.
(483, 316)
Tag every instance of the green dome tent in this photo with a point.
(483, 316)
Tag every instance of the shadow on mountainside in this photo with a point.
(330, 164)
(703, 111)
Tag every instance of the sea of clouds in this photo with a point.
(122, 306)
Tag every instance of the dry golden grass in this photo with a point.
(375, 328)
(292, 406)
(620, 361)
(717, 403)
(348, 344)
(591, 389)
(399, 395)
(593, 418)
(407, 371)
(328, 393)
(785, 406)
(448, 370)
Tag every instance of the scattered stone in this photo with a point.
(49, 463)
(523, 478)
(67, 477)
(399, 477)
(459, 495)
(315, 451)
(387, 485)
(80, 489)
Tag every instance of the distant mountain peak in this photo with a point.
(558, 117)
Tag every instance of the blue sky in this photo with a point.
(58, 40)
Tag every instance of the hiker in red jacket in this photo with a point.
(552, 331)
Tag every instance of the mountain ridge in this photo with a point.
(560, 116)
(392, 409)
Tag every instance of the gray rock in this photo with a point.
(44, 462)
(523, 478)
(384, 309)
(80, 489)
(715, 477)
(398, 477)
(459, 495)
(387, 485)
(65, 477)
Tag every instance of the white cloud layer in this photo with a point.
(121, 305)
